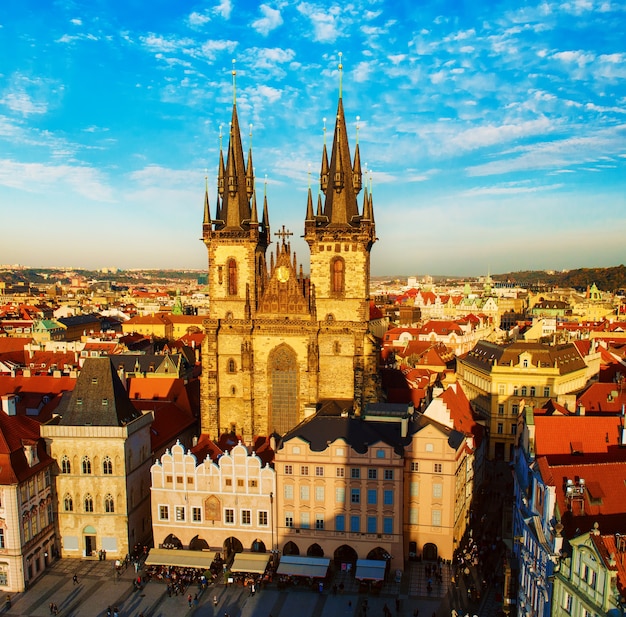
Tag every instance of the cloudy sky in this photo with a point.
(495, 132)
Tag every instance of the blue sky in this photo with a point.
(495, 132)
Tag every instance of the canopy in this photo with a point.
(180, 557)
(370, 569)
(295, 565)
(254, 563)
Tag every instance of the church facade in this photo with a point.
(278, 343)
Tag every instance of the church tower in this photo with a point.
(278, 343)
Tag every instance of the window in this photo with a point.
(429, 447)
(180, 513)
(525, 365)
(232, 277)
(107, 466)
(515, 391)
(414, 489)
(567, 602)
(319, 521)
(515, 410)
(251, 483)
(304, 470)
(232, 367)
(227, 481)
(500, 428)
(340, 494)
(524, 390)
(239, 482)
(513, 429)
(500, 409)
(196, 514)
(263, 518)
(319, 471)
(436, 518)
(305, 521)
(438, 467)
(546, 391)
(68, 503)
(380, 454)
(355, 523)
(288, 490)
(2, 542)
(388, 525)
(413, 517)
(337, 266)
(66, 467)
(304, 492)
(88, 503)
(164, 513)
(501, 389)
(319, 493)
(86, 465)
(288, 519)
(341, 472)
(371, 524)
(355, 473)
(371, 496)
(246, 517)
(109, 505)
(340, 522)
(288, 470)
(388, 474)
(437, 490)
(355, 495)
(415, 466)
(372, 474)
(229, 516)
(388, 498)
(532, 390)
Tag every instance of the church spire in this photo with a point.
(250, 170)
(207, 213)
(324, 169)
(357, 177)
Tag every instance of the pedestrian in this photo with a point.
(51, 607)
(214, 600)
(109, 612)
(189, 600)
(75, 579)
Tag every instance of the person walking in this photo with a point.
(75, 579)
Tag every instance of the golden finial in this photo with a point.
(251, 137)
(265, 187)
(340, 74)
(324, 130)
(234, 84)
(309, 176)
(358, 119)
(221, 126)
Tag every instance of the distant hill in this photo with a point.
(606, 279)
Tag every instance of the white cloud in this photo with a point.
(509, 189)
(270, 57)
(323, 20)
(158, 176)
(197, 20)
(22, 103)
(212, 48)
(76, 21)
(271, 20)
(224, 9)
(39, 178)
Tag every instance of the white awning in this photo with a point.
(295, 565)
(180, 557)
(255, 563)
(370, 569)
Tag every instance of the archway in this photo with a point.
(172, 542)
(429, 552)
(379, 554)
(345, 555)
(231, 546)
(291, 548)
(315, 550)
(258, 546)
(198, 544)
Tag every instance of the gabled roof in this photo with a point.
(601, 398)
(98, 399)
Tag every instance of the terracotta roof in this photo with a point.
(375, 312)
(170, 420)
(613, 552)
(607, 398)
(156, 319)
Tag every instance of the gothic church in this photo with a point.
(278, 343)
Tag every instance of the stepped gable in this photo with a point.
(98, 399)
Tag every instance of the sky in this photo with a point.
(494, 133)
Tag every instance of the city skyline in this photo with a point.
(495, 134)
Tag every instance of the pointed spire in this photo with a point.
(221, 172)
(340, 67)
(371, 200)
(309, 207)
(254, 217)
(319, 205)
(357, 178)
(366, 205)
(207, 213)
(250, 170)
(266, 216)
(324, 170)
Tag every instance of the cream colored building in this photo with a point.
(500, 380)
(224, 505)
(102, 447)
(339, 487)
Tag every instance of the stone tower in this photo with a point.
(277, 343)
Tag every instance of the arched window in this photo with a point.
(68, 503)
(523, 390)
(109, 506)
(107, 466)
(66, 466)
(86, 465)
(88, 503)
(337, 275)
(231, 366)
(232, 277)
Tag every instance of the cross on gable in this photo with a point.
(283, 234)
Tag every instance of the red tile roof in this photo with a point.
(604, 398)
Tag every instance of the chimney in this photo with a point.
(9, 404)
(580, 410)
